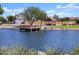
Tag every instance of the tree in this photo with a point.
(77, 21)
(67, 19)
(33, 13)
(56, 17)
(2, 18)
(11, 18)
(64, 19)
(1, 10)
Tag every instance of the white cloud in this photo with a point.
(58, 6)
(6, 9)
(60, 14)
(67, 7)
(50, 15)
(63, 14)
(18, 10)
(50, 11)
(12, 11)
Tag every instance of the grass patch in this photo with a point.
(71, 26)
(26, 51)
(17, 51)
(76, 51)
(52, 51)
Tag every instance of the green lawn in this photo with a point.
(73, 26)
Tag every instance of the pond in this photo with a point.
(65, 40)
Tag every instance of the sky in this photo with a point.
(61, 9)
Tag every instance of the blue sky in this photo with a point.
(61, 9)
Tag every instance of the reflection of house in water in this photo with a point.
(19, 19)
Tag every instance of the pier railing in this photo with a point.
(28, 26)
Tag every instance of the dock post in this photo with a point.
(20, 29)
(31, 29)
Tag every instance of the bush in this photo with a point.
(11, 18)
(76, 51)
(52, 51)
(77, 21)
(2, 19)
(17, 51)
(29, 51)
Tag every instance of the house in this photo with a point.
(19, 19)
(70, 23)
(73, 18)
(59, 23)
(50, 21)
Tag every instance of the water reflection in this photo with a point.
(41, 40)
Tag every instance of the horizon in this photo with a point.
(61, 9)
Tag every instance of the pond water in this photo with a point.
(41, 40)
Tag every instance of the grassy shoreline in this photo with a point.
(71, 26)
(26, 51)
(16, 26)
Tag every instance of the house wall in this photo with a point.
(61, 23)
(18, 21)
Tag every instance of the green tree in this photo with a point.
(1, 10)
(64, 19)
(2, 18)
(56, 17)
(77, 21)
(33, 13)
(11, 18)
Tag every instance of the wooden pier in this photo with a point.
(28, 28)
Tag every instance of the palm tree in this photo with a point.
(1, 10)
